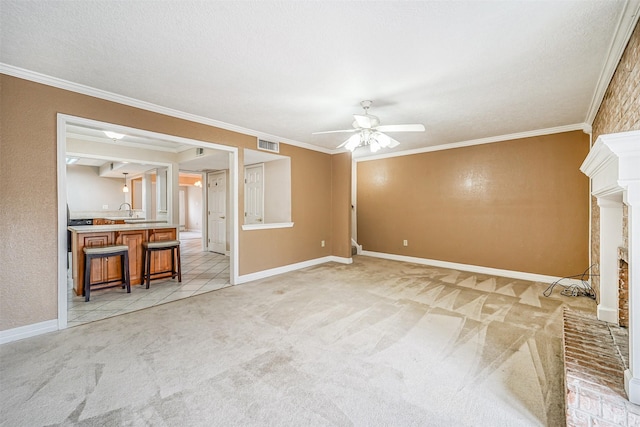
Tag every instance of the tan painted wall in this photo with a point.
(517, 205)
(619, 112)
(341, 199)
(310, 213)
(28, 211)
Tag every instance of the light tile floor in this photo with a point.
(201, 272)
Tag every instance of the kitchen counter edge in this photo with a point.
(119, 227)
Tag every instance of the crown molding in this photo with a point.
(622, 34)
(143, 105)
(540, 132)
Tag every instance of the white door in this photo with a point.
(217, 212)
(254, 194)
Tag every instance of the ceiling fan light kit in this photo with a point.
(369, 131)
(375, 141)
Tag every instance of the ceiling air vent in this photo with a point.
(274, 147)
(199, 151)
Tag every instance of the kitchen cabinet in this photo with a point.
(133, 239)
(126, 234)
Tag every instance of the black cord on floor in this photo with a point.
(575, 289)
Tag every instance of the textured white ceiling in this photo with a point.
(466, 70)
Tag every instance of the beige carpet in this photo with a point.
(376, 343)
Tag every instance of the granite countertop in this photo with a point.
(134, 220)
(119, 217)
(120, 227)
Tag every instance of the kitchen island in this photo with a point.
(131, 235)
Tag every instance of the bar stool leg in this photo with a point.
(179, 264)
(148, 268)
(124, 284)
(173, 264)
(144, 263)
(86, 288)
(126, 274)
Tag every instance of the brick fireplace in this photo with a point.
(613, 164)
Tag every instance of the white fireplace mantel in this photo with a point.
(613, 164)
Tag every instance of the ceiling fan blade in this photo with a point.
(335, 131)
(365, 122)
(393, 143)
(401, 128)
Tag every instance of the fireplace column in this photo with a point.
(610, 240)
(632, 375)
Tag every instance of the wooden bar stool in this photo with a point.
(162, 245)
(106, 252)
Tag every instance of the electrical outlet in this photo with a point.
(105, 206)
(322, 243)
(405, 243)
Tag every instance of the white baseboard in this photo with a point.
(358, 247)
(291, 267)
(607, 314)
(474, 268)
(27, 331)
(632, 387)
(340, 259)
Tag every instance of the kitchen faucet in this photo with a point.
(130, 208)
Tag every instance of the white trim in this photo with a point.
(291, 267)
(234, 246)
(607, 314)
(354, 205)
(143, 105)
(358, 247)
(248, 227)
(539, 132)
(621, 37)
(27, 331)
(341, 260)
(62, 221)
(532, 277)
(632, 387)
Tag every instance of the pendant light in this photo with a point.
(125, 189)
(114, 135)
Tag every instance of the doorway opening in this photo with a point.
(158, 169)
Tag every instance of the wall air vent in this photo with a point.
(274, 147)
(199, 151)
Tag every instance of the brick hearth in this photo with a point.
(595, 357)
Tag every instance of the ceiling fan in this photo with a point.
(367, 131)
